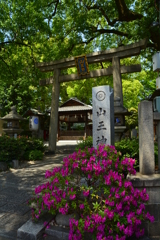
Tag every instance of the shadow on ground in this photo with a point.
(17, 186)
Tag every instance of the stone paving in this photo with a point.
(17, 186)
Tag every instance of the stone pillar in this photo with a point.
(103, 115)
(146, 138)
(158, 138)
(117, 81)
(54, 112)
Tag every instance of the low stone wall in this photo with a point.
(34, 230)
(152, 185)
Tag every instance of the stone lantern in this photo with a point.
(12, 119)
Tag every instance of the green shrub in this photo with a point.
(22, 148)
(4, 156)
(33, 155)
(35, 144)
(127, 147)
(10, 149)
(130, 148)
(88, 142)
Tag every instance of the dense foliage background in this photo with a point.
(21, 148)
(41, 30)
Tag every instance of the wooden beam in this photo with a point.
(131, 68)
(93, 74)
(95, 57)
(99, 73)
(92, 59)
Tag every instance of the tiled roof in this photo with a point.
(74, 99)
(81, 107)
(75, 108)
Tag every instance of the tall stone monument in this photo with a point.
(146, 138)
(103, 115)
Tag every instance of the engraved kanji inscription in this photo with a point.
(101, 126)
(103, 140)
(101, 112)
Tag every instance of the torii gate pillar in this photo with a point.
(117, 81)
(54, 112)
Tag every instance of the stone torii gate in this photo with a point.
(113, 55)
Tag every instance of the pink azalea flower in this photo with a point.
(86, 193)
(81, 206)
(72, 197)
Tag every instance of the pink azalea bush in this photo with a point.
(92, 184)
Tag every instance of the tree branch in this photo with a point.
(98, 33)
(13, 42)
(103, 31)
(124, 13)
(55, 9)
(96, 7)
(49, 4)
(91, 39)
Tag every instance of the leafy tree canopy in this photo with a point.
(40, 30)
